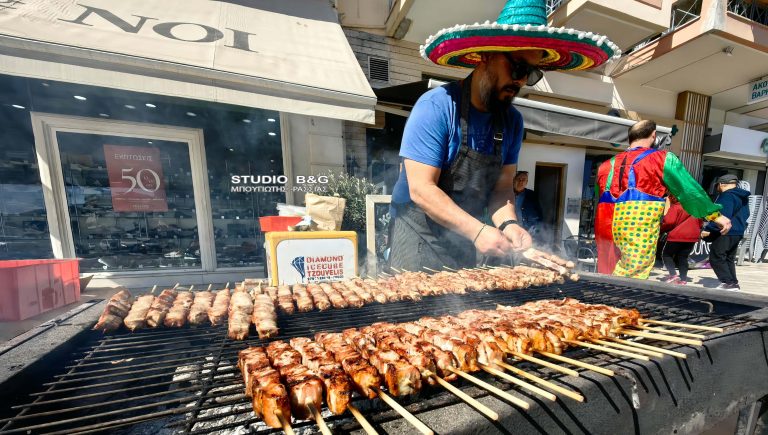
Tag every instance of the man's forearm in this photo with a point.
(441, 208)
(502, 207)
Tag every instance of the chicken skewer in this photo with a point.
(240, 311)
(218, 311)
(118, 306)
(203, 301)
(136, 318)
(177, 315)
(264, 387)
(160, 306)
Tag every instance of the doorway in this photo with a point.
(549, 186)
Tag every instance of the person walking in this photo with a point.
(722, 252)
(683, 231)
(630, 189)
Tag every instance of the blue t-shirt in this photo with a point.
(433, 134)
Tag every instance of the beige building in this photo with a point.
(688, 64)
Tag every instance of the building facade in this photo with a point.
(682, 66)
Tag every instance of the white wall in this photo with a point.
(574, 174)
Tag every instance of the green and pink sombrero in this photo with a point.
(522, 25)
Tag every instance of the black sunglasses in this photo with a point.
(520, 70)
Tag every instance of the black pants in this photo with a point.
(675, 254)
(722, 258)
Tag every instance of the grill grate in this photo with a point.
(186, 380)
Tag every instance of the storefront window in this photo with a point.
(151, 223)
(249, 146)
(23, 223)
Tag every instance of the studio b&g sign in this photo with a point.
(135, 178)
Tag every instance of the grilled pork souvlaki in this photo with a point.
(118, 306)
(240, 311)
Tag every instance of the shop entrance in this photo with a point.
(549, 187)
(124, 197)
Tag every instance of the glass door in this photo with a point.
(131, 202)
(127, 197)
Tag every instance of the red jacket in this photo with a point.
(681, 226)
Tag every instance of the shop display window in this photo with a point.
(152, 226)
(252, 147)
(23, 223)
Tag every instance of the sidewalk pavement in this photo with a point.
(753, 278)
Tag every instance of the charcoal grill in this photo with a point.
(185, 380)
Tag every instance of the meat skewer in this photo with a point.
(319, 297)
(302, 298)
(160, 306)
(136, 318)
(263, 385)
(285, 299)
(177, 315)
(264, 316)
(198, 313)
(240, 311)
(118, 306)
(217, 313)
(305, 389)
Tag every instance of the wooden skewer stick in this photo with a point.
(519, 383)
(577, 363)
(488, 412)
(547, 364)
(554, 387)
(362, 420)
(210, 286)
(396, 270)
(607, 349)
(423, 428)
(649, 347)
(319, 419)
(191, 287)
(661, 337)
(430, 269)
(667, 331)
(154, 287)
(482, 384)
(285, 423)
(627, 347)
(682, 325)
(448, 268)
(227, 286)
(176, 286)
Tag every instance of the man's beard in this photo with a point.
(489, 95)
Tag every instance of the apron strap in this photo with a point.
(498, 120)
(632, 182)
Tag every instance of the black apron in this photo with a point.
(417, 240)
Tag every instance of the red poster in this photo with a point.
(135, 178)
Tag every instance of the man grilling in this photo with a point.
(461, 143)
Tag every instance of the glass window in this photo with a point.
(246, 143)
(147, 223)
(23, 222)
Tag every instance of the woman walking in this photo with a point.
(683, 231)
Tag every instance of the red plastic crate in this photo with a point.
(277, 223)
(31, 287)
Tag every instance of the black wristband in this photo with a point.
(507, 223)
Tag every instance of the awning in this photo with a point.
(273, 54)
(539, 117)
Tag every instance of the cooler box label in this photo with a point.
(302, 261)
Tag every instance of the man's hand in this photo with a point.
(704, 234)
(724, 223)
(492, 242)
(518, 237)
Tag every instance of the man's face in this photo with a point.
(521, 182)
(497, 87)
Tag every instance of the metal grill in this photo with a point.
(186, 380)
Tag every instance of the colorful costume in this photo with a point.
(631, 206)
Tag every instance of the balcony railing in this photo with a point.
(683, 12)
(552, 5)
(749, 9)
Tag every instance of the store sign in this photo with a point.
(314, 260)
(135, 178)
(758, 91)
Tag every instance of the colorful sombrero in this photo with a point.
(522, 25)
